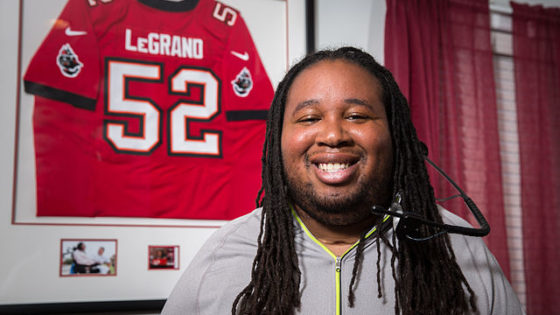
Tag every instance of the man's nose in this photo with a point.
(333, 133)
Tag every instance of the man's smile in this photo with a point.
(335, 173)
(334, 168)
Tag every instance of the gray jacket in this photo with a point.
(221, 269)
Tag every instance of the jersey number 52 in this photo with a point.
(119, 104)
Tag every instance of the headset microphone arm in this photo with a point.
(410, 222)
(484, 226)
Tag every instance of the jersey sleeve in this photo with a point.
(66, 66)
(248, 88)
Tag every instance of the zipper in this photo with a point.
(338, 259)
(337, 268)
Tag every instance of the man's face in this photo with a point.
(336, 144)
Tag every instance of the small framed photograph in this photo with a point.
(88, 257)
(163, 257)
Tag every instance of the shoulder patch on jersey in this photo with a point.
(243, 83)
(68, 62)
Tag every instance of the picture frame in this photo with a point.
(44, 242)
(273, 53)
(163, 257)
(88, 257)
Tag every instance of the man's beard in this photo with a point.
(340, 210)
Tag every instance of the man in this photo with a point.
(83, 263)
(104, 263)
(339, 142)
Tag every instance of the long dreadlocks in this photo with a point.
(427, 277)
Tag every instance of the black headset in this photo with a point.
(409, 223)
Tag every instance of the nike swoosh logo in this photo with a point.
(244, 56)
(70, 32)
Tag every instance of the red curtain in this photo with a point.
(536, 55)
(441, 56)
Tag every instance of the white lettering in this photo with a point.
(198, 49)
(165, 45)
(127, 40)
(153, 45)
(176, 47)
(165, 39)
(142, 43)
(187, 51)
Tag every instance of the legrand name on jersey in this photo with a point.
(165, 44)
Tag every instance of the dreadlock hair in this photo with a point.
(427, 277)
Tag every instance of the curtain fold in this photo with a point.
(441, 56)
(536, 56)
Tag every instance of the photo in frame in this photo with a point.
(88, 257)
(163, 257)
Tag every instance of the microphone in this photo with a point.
(408, 225)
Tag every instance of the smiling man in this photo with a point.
(336, 147)
(339, 142)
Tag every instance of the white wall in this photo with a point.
(358, 23)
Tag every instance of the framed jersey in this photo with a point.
(135, 121)
(144, 109)
(130, 121)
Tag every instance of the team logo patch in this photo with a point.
(68, 62)
(243, 83)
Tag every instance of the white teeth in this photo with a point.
(333, 167)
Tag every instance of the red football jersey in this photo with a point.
(148, 108)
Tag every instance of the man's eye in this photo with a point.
(356, 117)
(308, 119)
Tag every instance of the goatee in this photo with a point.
(336, 210)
